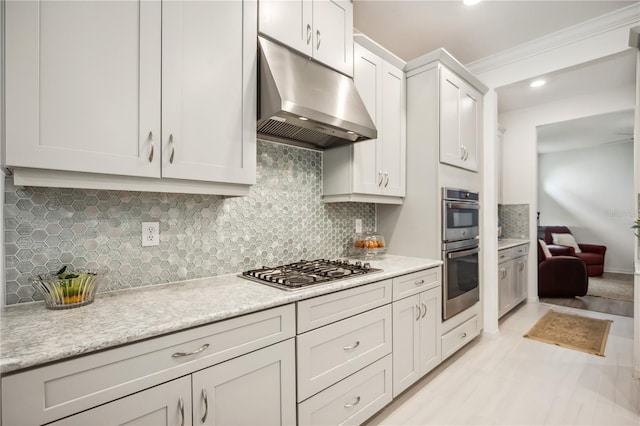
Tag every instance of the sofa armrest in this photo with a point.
(558, 250)
(593, 248)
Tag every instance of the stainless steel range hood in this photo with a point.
(304, 103)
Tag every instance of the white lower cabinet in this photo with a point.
(245, 366)
(352, 400)
(416, 337)
(512, 277)
(167, 404)
(328, 354)
(254, 389)
(460, 336)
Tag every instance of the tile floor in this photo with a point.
(510, 380)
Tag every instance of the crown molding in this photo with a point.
(625, 17)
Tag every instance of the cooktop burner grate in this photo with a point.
(306, 273)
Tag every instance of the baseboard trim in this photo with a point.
(619, 271)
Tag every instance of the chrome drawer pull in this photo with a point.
(419, 282)
(424, 307)
(355, 345)
(418, 309)
(151, 153)
(354, 404)
(181, 405)
(308, 34)
(463, 335)
(173, 149)
(206, 405)
(197, 351)
(318, 40)
(386, 176)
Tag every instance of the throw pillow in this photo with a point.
(566, 240)
(545, 249)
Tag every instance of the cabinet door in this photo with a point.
(168, 404)
(254, 389)
(391, 152)
(288, 21)
(333, 34)
(209, 90)
(429, 331)
(83, 94)
(470, 126)
(505, 284)
(520, 288)
(367, 173)
(406, 343)
(450, 151)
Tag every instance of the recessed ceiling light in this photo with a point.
(537, 83)
(470, 2)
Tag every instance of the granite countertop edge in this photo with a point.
(32, 335)
(511, 242)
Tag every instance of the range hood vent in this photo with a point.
(307, 104)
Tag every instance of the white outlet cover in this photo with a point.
(150, 234)
(358, 226)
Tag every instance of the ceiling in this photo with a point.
(412, 28)
(604, 129)
(592, 77)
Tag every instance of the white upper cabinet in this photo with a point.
(373, 170)
(460, 115)
(83, 94)
(322, 29)
(204, 108)
(155, 96)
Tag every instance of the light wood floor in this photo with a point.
(509, 380)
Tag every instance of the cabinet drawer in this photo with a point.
(408, 285)
(351, 401)
(323, 310)
(520, 250)
(50, 392)
(329, 354)
(459, 336)
(504, 255)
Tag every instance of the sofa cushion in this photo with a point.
(590, 258)
(566, 240)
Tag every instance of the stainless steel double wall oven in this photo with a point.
(460, 250)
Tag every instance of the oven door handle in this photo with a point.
(464, 253)
(467, 206)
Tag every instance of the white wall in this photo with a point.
(590, 190)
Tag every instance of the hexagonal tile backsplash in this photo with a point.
(283, 219)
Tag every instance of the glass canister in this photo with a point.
(369, 245)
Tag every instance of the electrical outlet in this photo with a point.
(150, 234)
(358, 226)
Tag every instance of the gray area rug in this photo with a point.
(610, 288)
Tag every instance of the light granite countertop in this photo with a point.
(506, 243)
(32, 335)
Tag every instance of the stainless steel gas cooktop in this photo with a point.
(307, 273)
